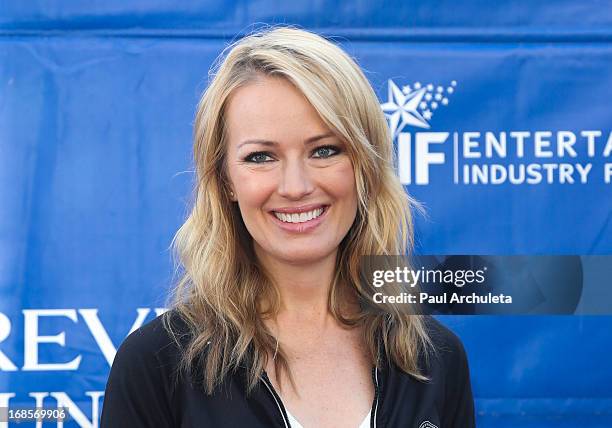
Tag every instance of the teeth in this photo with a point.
(299, 218)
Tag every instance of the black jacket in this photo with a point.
(142, 390)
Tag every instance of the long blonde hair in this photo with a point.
(221, 287)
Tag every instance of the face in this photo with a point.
(291, 176)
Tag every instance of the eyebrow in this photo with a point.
(274, 143)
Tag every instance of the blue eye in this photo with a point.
(326, 151)
(322, 152)
(258, 157)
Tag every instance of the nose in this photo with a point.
(296, 181)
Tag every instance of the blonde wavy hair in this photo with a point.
(222, 287)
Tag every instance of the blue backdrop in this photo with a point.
(501, 117)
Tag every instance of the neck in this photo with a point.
(304, 288)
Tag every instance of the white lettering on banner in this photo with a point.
(608, 149)
(5, 398)
(470, 143)
(608, 173)
(32, 339)
(477, 148)
(590, 136)
(531, 173)
(497, 144)
(487, 157)
(583, 170)
(565, 143)
(519, 142)
(405, 158)
(422, 155)
(6, 365)
(541, 143)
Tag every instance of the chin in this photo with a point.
(303, 256)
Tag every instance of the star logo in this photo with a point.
(401, 109)
(414, 105)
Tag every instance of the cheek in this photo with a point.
(252, 188)
(343, 180)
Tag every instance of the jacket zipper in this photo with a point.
(375, 405)
(277, 399)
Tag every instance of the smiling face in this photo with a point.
(291, 176)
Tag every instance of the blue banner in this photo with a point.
(501, 120)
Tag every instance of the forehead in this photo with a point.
(270, 108)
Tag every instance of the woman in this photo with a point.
(270, 324)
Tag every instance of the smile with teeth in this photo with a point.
(299, 217)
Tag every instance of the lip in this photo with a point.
(300, 209)
(304, 227)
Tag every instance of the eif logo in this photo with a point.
(517, 157)
(415, 106)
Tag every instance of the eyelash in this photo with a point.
(337, 150)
